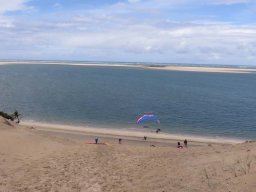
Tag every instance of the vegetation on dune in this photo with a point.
(12, 117)
(6, 115)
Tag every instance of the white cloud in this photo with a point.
(123, 32)
(158, 3)
(211, 43)
(134, 1)
(57, 5)
(12, 5)
(230, 2)
(108, 37)
(5, 23)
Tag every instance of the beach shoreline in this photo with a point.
(132, 134)
(37, 158)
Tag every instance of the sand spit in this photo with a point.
(36, 160)
(205, 69)
(131, 65)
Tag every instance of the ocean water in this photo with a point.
(205, 104)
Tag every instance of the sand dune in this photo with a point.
(38, 160)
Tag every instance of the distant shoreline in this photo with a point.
(127, 133)
(185, 68)
(205, 69)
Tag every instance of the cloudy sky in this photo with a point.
(172, 31)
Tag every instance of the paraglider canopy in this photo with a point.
(147, 117)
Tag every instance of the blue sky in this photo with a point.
(172, 31)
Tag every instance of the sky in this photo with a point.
(162, 31)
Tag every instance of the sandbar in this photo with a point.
(170, 67)
(205, 69)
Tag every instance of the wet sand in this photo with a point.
(131, 134)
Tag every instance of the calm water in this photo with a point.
(211, 104)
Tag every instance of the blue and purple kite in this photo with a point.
(147, 117)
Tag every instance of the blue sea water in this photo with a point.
(206, 104)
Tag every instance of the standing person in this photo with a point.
(120, 141)
(96, 140)
(185, 143)
(179, 145)
(145, 138)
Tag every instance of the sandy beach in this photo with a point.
(47, 159)
(131, 134)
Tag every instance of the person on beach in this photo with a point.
(145, 138)
(185, 143)
(120, 141)
(96, 140)
(158, 130)
(179, 146)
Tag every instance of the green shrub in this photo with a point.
(6, 115)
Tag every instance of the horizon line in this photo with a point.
(129, 62)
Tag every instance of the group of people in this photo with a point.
(120, 140)
(185, 144)
(97, 140)
(145, 138)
